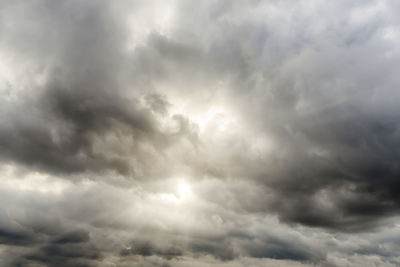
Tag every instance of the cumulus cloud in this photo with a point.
(192, 133)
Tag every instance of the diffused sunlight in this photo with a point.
(184, 191)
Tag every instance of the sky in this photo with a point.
(199, 133)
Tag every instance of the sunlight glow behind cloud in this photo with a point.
(199, 133)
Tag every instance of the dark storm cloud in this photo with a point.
(288, 248)
(78, 236)
(335, 127)
(84, 99)
(63, 255)
(70, 249)
(221, 250)
(275, 250)
(16, 238)
(87, 51)
(147, 249)
(114, 89)
(271, 247)
(354, 167)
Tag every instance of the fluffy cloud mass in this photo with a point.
(199, 133)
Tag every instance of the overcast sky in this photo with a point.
(199, 133)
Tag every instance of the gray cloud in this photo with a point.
(180, 132)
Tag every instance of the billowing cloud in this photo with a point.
(192, 133)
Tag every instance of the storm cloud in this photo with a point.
(192, 133)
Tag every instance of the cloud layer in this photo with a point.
(192, 133)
